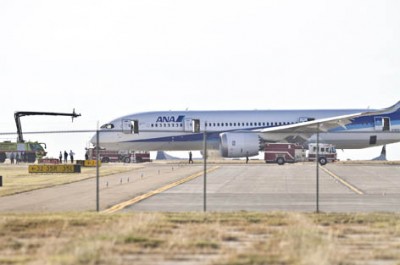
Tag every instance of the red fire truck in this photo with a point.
(107, 156)
(282, 153)
(327, 153)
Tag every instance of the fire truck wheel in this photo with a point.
(127, 160)
(323, 161)
(2, 157)
(280, 161)
(30, 158)
(105, 160)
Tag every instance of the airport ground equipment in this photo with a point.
(107, 156)
(27, 151)
(326, 154)
(282, 153)
(22, 152)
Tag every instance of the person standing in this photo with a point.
(190, 157)
(60, 157)
(71, 155)
(65, 157)
(12, 157)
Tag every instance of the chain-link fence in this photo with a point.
(175, 185)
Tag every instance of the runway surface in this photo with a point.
(230, 187)
(342, 188)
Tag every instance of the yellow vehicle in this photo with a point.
(27, 151)
(24, 152)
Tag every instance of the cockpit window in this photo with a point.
(107, 126)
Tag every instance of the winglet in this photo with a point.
(393, 108)
(390, 109)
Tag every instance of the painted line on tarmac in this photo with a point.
(137, 199)
(348, 185)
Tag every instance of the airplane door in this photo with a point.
(188, 124)
(382, 124)
(126, 126)
(130, 126)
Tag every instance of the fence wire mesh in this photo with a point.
(177, 185)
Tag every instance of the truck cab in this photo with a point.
(326, 153)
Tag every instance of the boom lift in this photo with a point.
(27, 151)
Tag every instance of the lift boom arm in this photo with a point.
(19, 114)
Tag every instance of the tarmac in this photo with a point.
(179, 187)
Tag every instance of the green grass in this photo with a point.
(214, 238)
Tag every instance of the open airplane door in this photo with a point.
(130, 126)
(192, 125)
(382, 123)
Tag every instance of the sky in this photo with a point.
(111, 58)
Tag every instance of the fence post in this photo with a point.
(317, 173)
(97, 172)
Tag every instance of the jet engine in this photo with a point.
(239, 144)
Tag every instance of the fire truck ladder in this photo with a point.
(19, 114)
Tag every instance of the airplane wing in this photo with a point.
(300, 132)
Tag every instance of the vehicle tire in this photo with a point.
(127, 160)
(30, 158)
(323, 161)
(280, 161)
(105, 160)
(2, 157)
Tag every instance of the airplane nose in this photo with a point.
(93, 141)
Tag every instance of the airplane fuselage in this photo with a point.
(173, 130)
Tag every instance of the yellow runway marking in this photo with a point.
(348, 185)
(123, 205)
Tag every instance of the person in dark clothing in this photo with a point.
(60, 157)
(190, 158)
(65, 157)
(71, 155)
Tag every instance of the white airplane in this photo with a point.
(242, 133)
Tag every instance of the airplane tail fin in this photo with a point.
(382, 156)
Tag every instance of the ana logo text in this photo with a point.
(170, 118)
